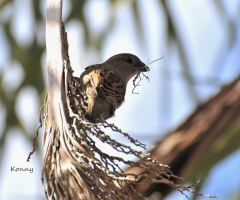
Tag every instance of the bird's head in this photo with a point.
(127, 65)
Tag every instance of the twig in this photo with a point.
(139, 75)
(36, 136)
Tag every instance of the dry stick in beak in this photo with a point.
(138, 75)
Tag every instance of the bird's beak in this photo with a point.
(143, 67)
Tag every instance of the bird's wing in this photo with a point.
(106, 82)
(93, 67)
(111, 86)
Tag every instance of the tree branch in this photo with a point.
(182, 148)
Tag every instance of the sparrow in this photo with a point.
(104, 85)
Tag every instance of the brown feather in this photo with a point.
(104, 85)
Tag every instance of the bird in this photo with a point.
(104, 85)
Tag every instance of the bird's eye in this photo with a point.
(129, 60)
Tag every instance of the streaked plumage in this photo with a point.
(104, 85)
